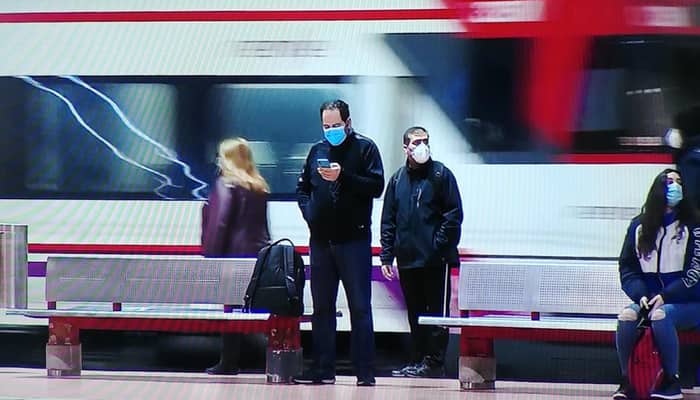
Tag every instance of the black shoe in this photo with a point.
(410, 368)
(313, 378)
(669, 389)
(624, 391)
(221, 369)
(369, 381)
(426, 370)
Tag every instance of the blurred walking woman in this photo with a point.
(234, 223)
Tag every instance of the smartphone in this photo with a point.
(323, 163)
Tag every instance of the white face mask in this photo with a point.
(674, 139)
(421, 154)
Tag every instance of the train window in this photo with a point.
(71, 138)
(475, 83)
(150, 137)
(633, 88)
(282, 120)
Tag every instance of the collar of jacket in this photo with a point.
(419, 169)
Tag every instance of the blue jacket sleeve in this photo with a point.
(631, 276)
(686, 288)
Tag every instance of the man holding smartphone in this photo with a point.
(342, 175)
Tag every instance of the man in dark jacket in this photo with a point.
(421, 227)
(685, 138)
(342, 175)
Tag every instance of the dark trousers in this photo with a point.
(230, 350)
(424, 291)
(351, 263)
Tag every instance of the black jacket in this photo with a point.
(688, 164)
(422, 217)
(341, 211)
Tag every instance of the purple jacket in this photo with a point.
(234, 222)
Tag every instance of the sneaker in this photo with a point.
(404, 371)
(368, 381)
(625, 391)
(669, 389)
(313, 378)
(425, 370)
(221, 369)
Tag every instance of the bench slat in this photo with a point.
(579, 324)
(148, 314)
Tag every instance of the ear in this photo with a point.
(348, 124)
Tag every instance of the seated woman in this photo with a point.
(660, 271)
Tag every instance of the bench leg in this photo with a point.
(63, 350)
(284, 354)
(477, 363)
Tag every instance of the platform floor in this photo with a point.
(22, 383)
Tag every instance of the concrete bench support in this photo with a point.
(63, 349)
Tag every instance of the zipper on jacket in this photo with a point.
(415, 182)
(658, 258)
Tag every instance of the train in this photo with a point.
(110, 113)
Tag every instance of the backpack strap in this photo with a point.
(397, 178)
(437, 180)
(291, 271)
(253, 285)
(283, 240)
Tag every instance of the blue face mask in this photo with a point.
(335, 136)
(674, 194)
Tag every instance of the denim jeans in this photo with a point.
(350, 263)
(678, 316)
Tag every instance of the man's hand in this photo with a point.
(388, 272)
(330, 174)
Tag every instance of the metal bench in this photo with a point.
(532, 299)
(174, 294)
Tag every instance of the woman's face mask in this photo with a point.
(674, 194)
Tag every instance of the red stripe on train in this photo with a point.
(228, 16)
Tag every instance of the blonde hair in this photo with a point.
(237, 167)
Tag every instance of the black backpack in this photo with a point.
(277, 284)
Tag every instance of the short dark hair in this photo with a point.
(412, 130)
(339, 105)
